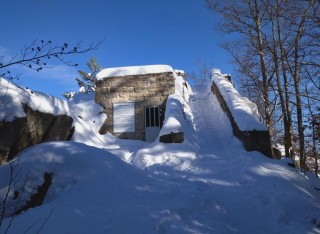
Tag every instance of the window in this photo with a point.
(152, 116)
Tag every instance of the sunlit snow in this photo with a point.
(133, 70)
(207, 184)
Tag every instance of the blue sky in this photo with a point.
(137, 32)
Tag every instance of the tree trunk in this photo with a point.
(279, 86)
(264, 74)
(296, 78)
(288, 128)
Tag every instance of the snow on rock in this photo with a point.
(133, 70)
(177, 108)
(179, 72)
(244, 112)
(12, 97)
(174, 116)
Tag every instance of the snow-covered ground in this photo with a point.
(208, 184)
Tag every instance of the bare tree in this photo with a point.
(312, 126)
(296, 57)
(203, 75)
(246, 18)
(274, 52)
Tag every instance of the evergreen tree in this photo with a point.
(87, 80)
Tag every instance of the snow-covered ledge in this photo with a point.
(243, 115)
(28, 117)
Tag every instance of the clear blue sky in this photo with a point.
(137, 32)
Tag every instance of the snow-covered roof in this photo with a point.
(244, 112)
(133, 71)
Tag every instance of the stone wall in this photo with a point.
(143, 90)
(252, 140)
(35, 128)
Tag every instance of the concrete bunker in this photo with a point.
(134, 99)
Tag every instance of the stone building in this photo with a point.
(134, 99)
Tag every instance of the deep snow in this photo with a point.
(208, 184)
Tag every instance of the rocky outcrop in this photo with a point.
(35, 128)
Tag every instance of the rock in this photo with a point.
(177, 137)
(37, 198)
(35, 128)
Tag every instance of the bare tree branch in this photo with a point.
(37, 54)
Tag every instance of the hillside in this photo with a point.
(207, 184)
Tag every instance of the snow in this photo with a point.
(207, 184)
(133, 71)
(177, 71)
(88, 118)
(177, 108)
(244, 111)
(12, 97)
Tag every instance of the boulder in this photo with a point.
(35, 128)
(174, 137)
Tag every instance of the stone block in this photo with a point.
(153, 98)
(112, 89)
(102, 90)
(140, 89)
(172, 138)
(156, 89)
(130, 84)
(130, 95)
(128, 89)
(150, 94)
(124, 94)
(166, 93)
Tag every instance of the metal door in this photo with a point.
(152, 123)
